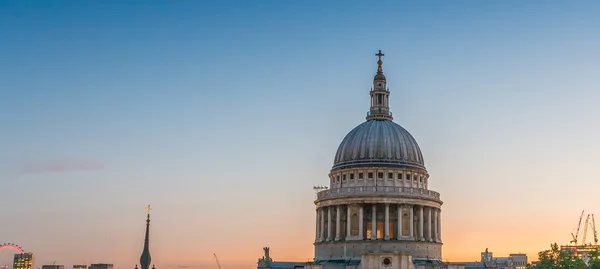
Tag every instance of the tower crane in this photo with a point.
(574, 241)
(594, 230)
(587, 222)
(217, 259)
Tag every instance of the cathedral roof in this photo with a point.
(379, 141)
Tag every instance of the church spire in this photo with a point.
(145, 259)
(380, 109)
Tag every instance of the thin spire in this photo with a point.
(380, 109)
(145, 259)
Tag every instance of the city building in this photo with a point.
(513, 261)
(80, 266)
(23, 261)
(582, 251)
(378, 211)
(519, 260)
(53, 266)
(101, 266)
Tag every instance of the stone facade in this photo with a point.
(354, 250)
(377, 224)
(386, 261)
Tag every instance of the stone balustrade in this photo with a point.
(378, 191)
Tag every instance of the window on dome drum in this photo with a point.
(391, 175)
(380, 175)
(371, 175)
(399, 176)
(351, 176)
(360, 175)
(344, 177)
(407, 177)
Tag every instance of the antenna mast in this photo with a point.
(318, 189)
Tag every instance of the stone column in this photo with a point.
(317, 226)
(399, 232)
(429, 222)
(361, 222)
(435, 225)
(322, 225)
(411, 222)
(421, 223)
(348, 222)
(338, 221)
(386, 224)
(374, 222)
(440, 225)
(329, 226)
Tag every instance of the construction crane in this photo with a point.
(217, 259)
(574, 241)
(594, 230)
(587, 222)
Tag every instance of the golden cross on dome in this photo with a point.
(380, 55)
(148, 208)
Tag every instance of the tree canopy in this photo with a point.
(554, 258)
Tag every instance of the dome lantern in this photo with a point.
(380, 109)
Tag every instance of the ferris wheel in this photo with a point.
(9, 246)
(12, 246)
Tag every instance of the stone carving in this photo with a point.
(266, 249)
(265, 260)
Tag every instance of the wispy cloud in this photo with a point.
(59, 166)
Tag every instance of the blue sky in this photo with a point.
(223, 115)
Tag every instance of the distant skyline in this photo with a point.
(223, 115)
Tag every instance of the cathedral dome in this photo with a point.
(378, 143)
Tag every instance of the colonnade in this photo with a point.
(381, 221)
